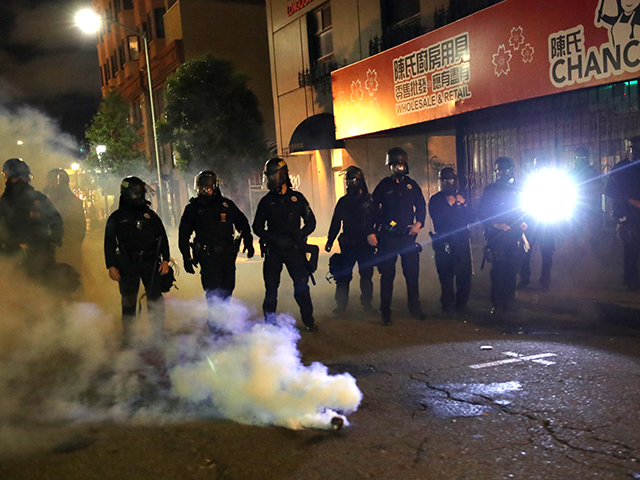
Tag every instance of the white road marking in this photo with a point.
(517, 358)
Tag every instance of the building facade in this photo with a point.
(529, 79)
(179, 31)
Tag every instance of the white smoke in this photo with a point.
(63, 362)
(254, 375)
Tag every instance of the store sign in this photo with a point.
(515, 50)
(297, 5)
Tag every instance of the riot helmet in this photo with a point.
(276, 173)
(448, 181)
(398, 162)
(133, 191)
(16, 169)
(504, 170)
(354, 180)
(206, 184)
(57, 177)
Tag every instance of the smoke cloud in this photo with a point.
(62, 362)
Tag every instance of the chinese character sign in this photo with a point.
(515, 50)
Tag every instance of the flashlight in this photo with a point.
(549, 196)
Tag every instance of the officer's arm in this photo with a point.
(110, 242)
(437, 212)
(420, 205)
(370, 217)
(54, 220)
(336, 222)
(308, 218)
(241, 223)
(259, 221)
(164, 241)
(185, 230)
(377, 204)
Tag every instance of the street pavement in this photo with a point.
(549, 391)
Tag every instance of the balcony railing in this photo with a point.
(318, 75)
(397, 34)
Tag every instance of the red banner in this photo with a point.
(515, 50)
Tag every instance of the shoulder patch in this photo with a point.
(146, 215)
(225, 204)
(294, 198)
(409, 186)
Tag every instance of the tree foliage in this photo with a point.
(212, 119)
(112, 128)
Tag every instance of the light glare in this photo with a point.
(549, 196)
(88, 21)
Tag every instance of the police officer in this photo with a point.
(624, 188)
(27, 218)
(354, 213)
(451, 217)
(501, 214)
(215, 221)
(589, 206)
(401, 211)
(72, 211)
(542, 233)
(136, 248)
(283, 240)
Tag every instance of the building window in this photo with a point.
(134, 47)
(395, 12)
(320, 35)
(127, 4)
(136, 114)
(158, 17)
(114, 65)
(121, 56)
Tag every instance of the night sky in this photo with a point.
(48, 63)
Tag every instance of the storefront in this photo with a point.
(528, 79)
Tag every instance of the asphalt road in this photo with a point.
(551, 391)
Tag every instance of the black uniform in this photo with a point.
(354, 212)
(135, 242)
(283, 242)
(624, 185)
(400, 204)
(214, 219)
(500, 203)
(75, 225)
(452, 249)
(27, 217)
(588, 213)
(544, 235)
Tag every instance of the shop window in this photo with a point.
(134, 47)
(400, 23)
(158, 15)
(320, 35)
(396, 12)
(121, 57)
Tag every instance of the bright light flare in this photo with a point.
(549, 196)
(88, 21)
(75, 166)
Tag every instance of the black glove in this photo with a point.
(328, 246)
(248, 249)
(188, 266)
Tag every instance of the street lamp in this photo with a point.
(89, 22)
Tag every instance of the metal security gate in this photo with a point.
(547, 131)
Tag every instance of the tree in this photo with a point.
(112, 129)
(212, 119)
